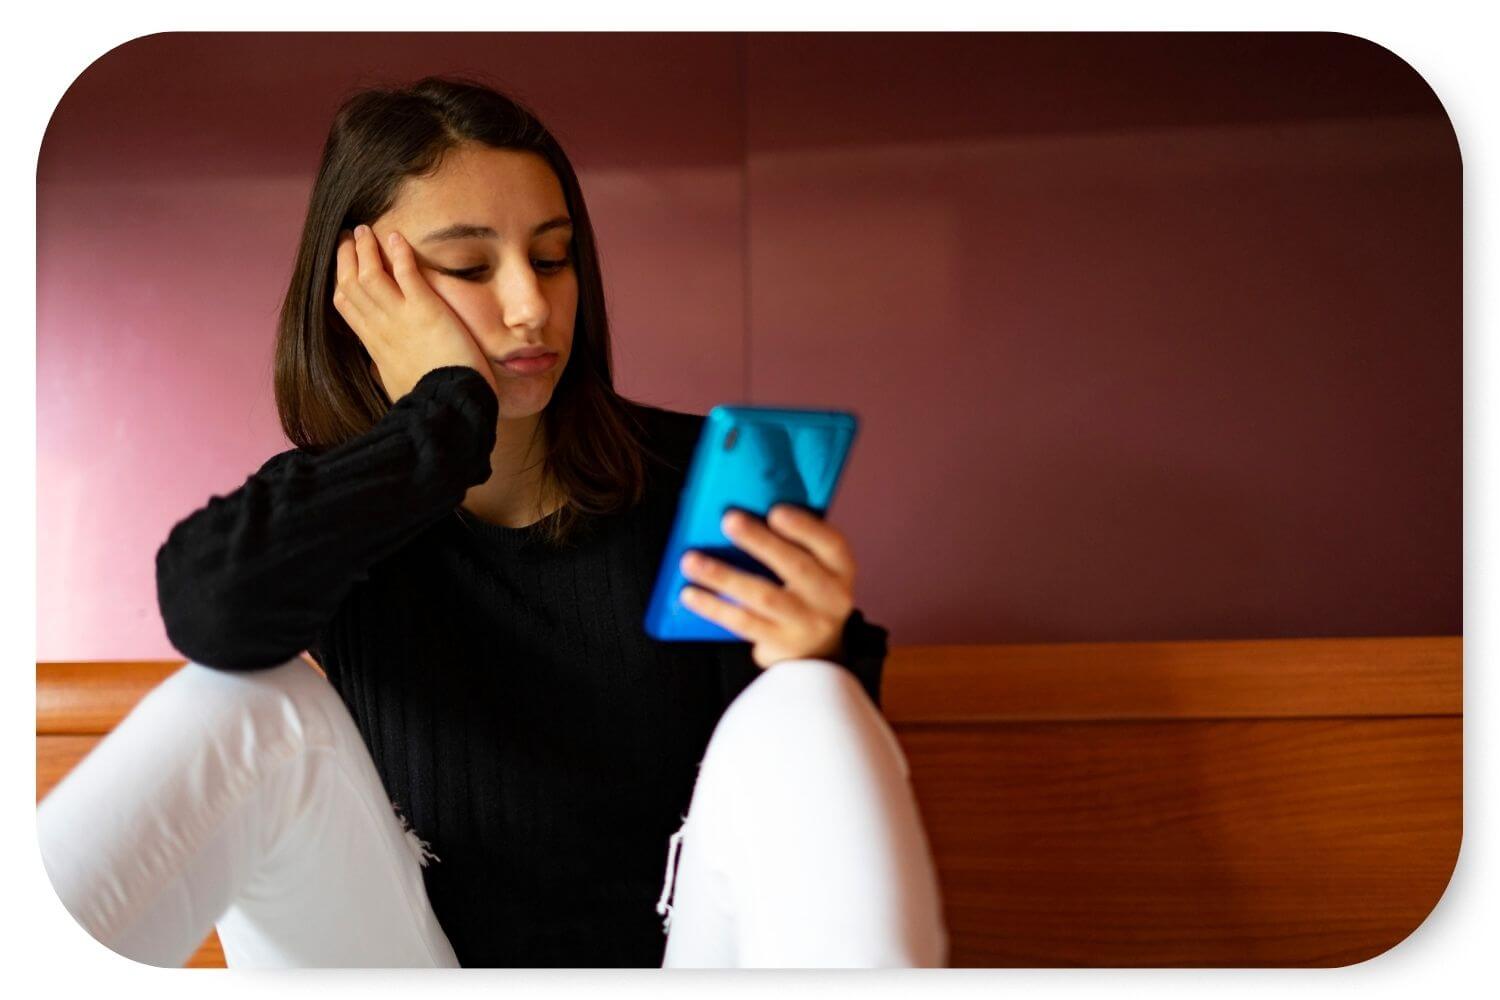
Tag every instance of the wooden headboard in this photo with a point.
(1243, 803)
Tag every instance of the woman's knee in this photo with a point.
(289, 705)
(807, 705)
(796, 684)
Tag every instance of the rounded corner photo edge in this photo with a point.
(1426, 918)
(63, 919)
(1419, 75)
(63, 94)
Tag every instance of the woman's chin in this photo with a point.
(520, 401)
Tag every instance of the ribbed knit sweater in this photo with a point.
(518, 715)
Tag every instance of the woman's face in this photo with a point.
(487, 238)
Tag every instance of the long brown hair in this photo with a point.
(325, 391)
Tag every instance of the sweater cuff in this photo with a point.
(864, 650)
(464, 393)
(464, 389)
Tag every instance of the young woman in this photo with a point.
(464, 538)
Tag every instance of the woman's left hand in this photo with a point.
(801, 618)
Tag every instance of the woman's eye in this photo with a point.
(478, 273)
(467, 274)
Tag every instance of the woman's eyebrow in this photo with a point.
(469, 230)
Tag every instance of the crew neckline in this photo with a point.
(501, 534)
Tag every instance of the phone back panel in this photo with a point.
(748, 458)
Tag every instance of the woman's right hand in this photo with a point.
(406, 326)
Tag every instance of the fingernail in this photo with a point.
(390, 240)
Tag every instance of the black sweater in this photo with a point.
(519, 716)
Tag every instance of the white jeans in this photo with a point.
(249, 801)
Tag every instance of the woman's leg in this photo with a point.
(245, 799)
(803, 846)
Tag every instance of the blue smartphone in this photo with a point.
(748, 458)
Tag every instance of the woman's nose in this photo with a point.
(522, 303)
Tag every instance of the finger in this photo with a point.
(348, 297)
(815, 534)
(741, 621)
(769, 600)
(800, 570)
(346, 269)
(404, 266)
(377, 284)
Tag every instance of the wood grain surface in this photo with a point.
(1258, 678)
(1238, 843)
(1235, 803)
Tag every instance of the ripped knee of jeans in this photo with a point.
(420, 849)
(663, 905)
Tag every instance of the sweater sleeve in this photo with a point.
(249, 580)
(863, 656)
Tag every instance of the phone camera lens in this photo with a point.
(731, 438)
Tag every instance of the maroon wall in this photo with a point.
(1155, 336)
(1151, 336)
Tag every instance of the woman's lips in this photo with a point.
(530, 366)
